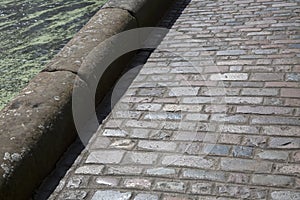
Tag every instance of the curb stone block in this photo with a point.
(141, 9)
(31, 132)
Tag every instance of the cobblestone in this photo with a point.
(232, 164)
(188, 161)
(157, 145)
(110, 194)
(107, 181)
(170, 186)
(213, 114)
(204, 175)
(105, 157)
(241, 151)
(288, 195)
(272, 180)
(146, 197)
(273, 155)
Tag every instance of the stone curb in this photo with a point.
(37, 126)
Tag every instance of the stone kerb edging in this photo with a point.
(37, 126)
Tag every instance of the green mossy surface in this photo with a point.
(31, 33)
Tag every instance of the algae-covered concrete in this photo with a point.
(31, 33)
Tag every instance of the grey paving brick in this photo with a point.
(238, 178)
(240, 192)
(290, 92)
(201, 188)
(260, 91)
(73, 194)
(272, 180)
(140, 158)
(197, 117)
(267, 76)
(284, 143)
(157, 145)
(183, 91)
(170, 186)
(177, 108)
(287, 169)
(293, 77)
(146, 197)
(228, 128)
(255, 141)
(216, 149)
(228, 118)
(242, 151)
(114, 133)
(148, 107)
(288, 195)
(244, 100)
(199, 100)
(107, 181)
(270, 120)
(161, 171)
(188, 136)
(138, 183)
(265, 110)
(111, 194)
(90, 169)
(273, 155)
(77, 182)
(124, 170)
(204, 175)
(234, 164)
(141, 124)
(229, 76)
(105, 156)
(163, 116)
(122, 144)
(231, 52)
(188, 161)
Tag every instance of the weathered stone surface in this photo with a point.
(97, 30)
(110, 194)
(90, 169)
(288, 195)
(31, 129)
(272, 180)
(142, 9)
(146, 197)
(105, 156)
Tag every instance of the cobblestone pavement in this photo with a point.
(215, 117)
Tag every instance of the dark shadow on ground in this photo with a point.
(104, 108)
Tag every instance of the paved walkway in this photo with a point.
(216, 117)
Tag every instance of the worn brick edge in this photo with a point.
(37, 126)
